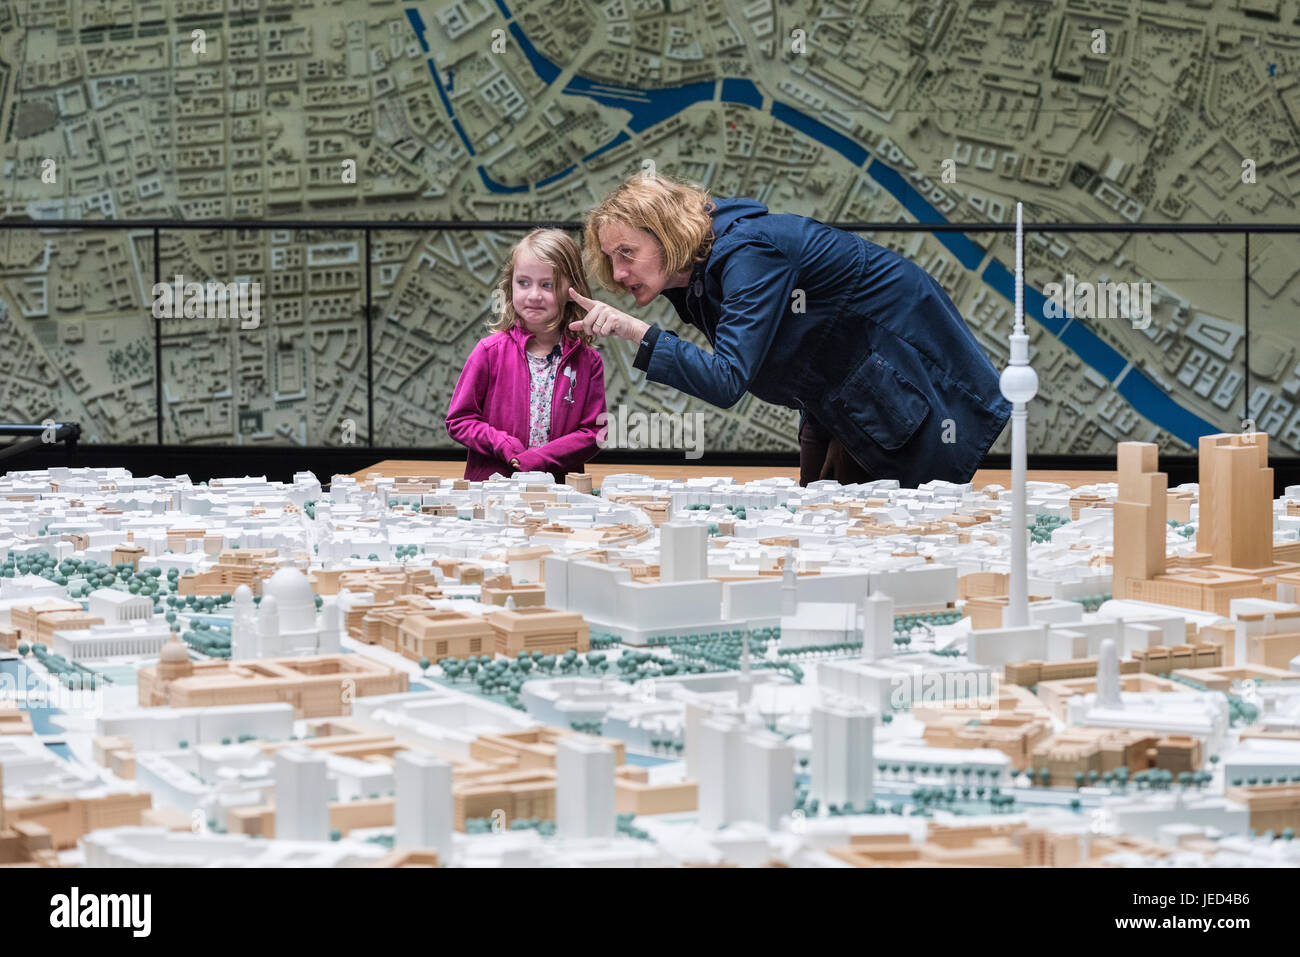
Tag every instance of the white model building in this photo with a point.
(158, 847)
(1200, 714)
(842, 760)
(286, 623)
(30, 586)
(767, 778)
(1149, 816)
(744, 774)
(1277, 759)
(584, 788)
(158, 729)
(109, 640)
(876, 621)
(888, 684)
(423, 806)
(820, 623)
(683, 551)
(302, 811)
(117, 606)
(718, 770)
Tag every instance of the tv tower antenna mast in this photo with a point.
(1019, 384)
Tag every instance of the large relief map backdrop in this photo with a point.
(507, 111)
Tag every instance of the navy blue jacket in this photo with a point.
(810, 317)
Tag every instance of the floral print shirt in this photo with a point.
(541, 373)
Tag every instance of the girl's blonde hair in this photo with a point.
(556, 249)
(675, 213)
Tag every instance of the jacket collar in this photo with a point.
(521, 336)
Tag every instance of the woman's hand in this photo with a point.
(602, 319)
(514, 464)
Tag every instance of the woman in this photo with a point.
(889, 380)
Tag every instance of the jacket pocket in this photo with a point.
(881, 402)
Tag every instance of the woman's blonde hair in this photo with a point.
(675, 213)
(556, 249)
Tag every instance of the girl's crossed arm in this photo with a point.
(466, 421)
(569, 452)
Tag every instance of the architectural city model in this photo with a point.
(512, 672)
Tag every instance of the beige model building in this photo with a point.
(466, 573)
(316, 685)
(1177, 753)
(1139, 517)
(1015, 728)
(1273, 807)
(1139, 564)
(68, 819)
(14, 721)
(1261, 639)
(25, 618)
(442, 633)
(989, 845)
(235, 567)
(498, 588)
(1223, 677)
(518, 794)
(604, 536)
(1013, 735)
(128, 552)
(988, 611)
(543, 629)
(47, 623)
(1029, 673)
(401, 858)
(1272, 637)
(531, 748)
(385, 584)
(578, 480)
(1236, 502)
(1084, 750)
(258, 820)
(25, 843)
(1159, 660)
(409, 489)
(983, 585)
(379, 624)
(178, 538)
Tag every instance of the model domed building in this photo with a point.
(173, 664)
(286, 623)
(174, 661)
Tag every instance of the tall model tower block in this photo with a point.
(1140, 510)
(302, 800)
(584, 788)
(683, 552)
(1235, 524)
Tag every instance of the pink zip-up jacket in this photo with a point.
(489, 408)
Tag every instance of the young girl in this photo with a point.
(531, 393)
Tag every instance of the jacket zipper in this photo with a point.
(555, 389)
(692, 301)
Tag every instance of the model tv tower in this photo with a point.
(1019, 384)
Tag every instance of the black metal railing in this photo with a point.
(368, 227)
